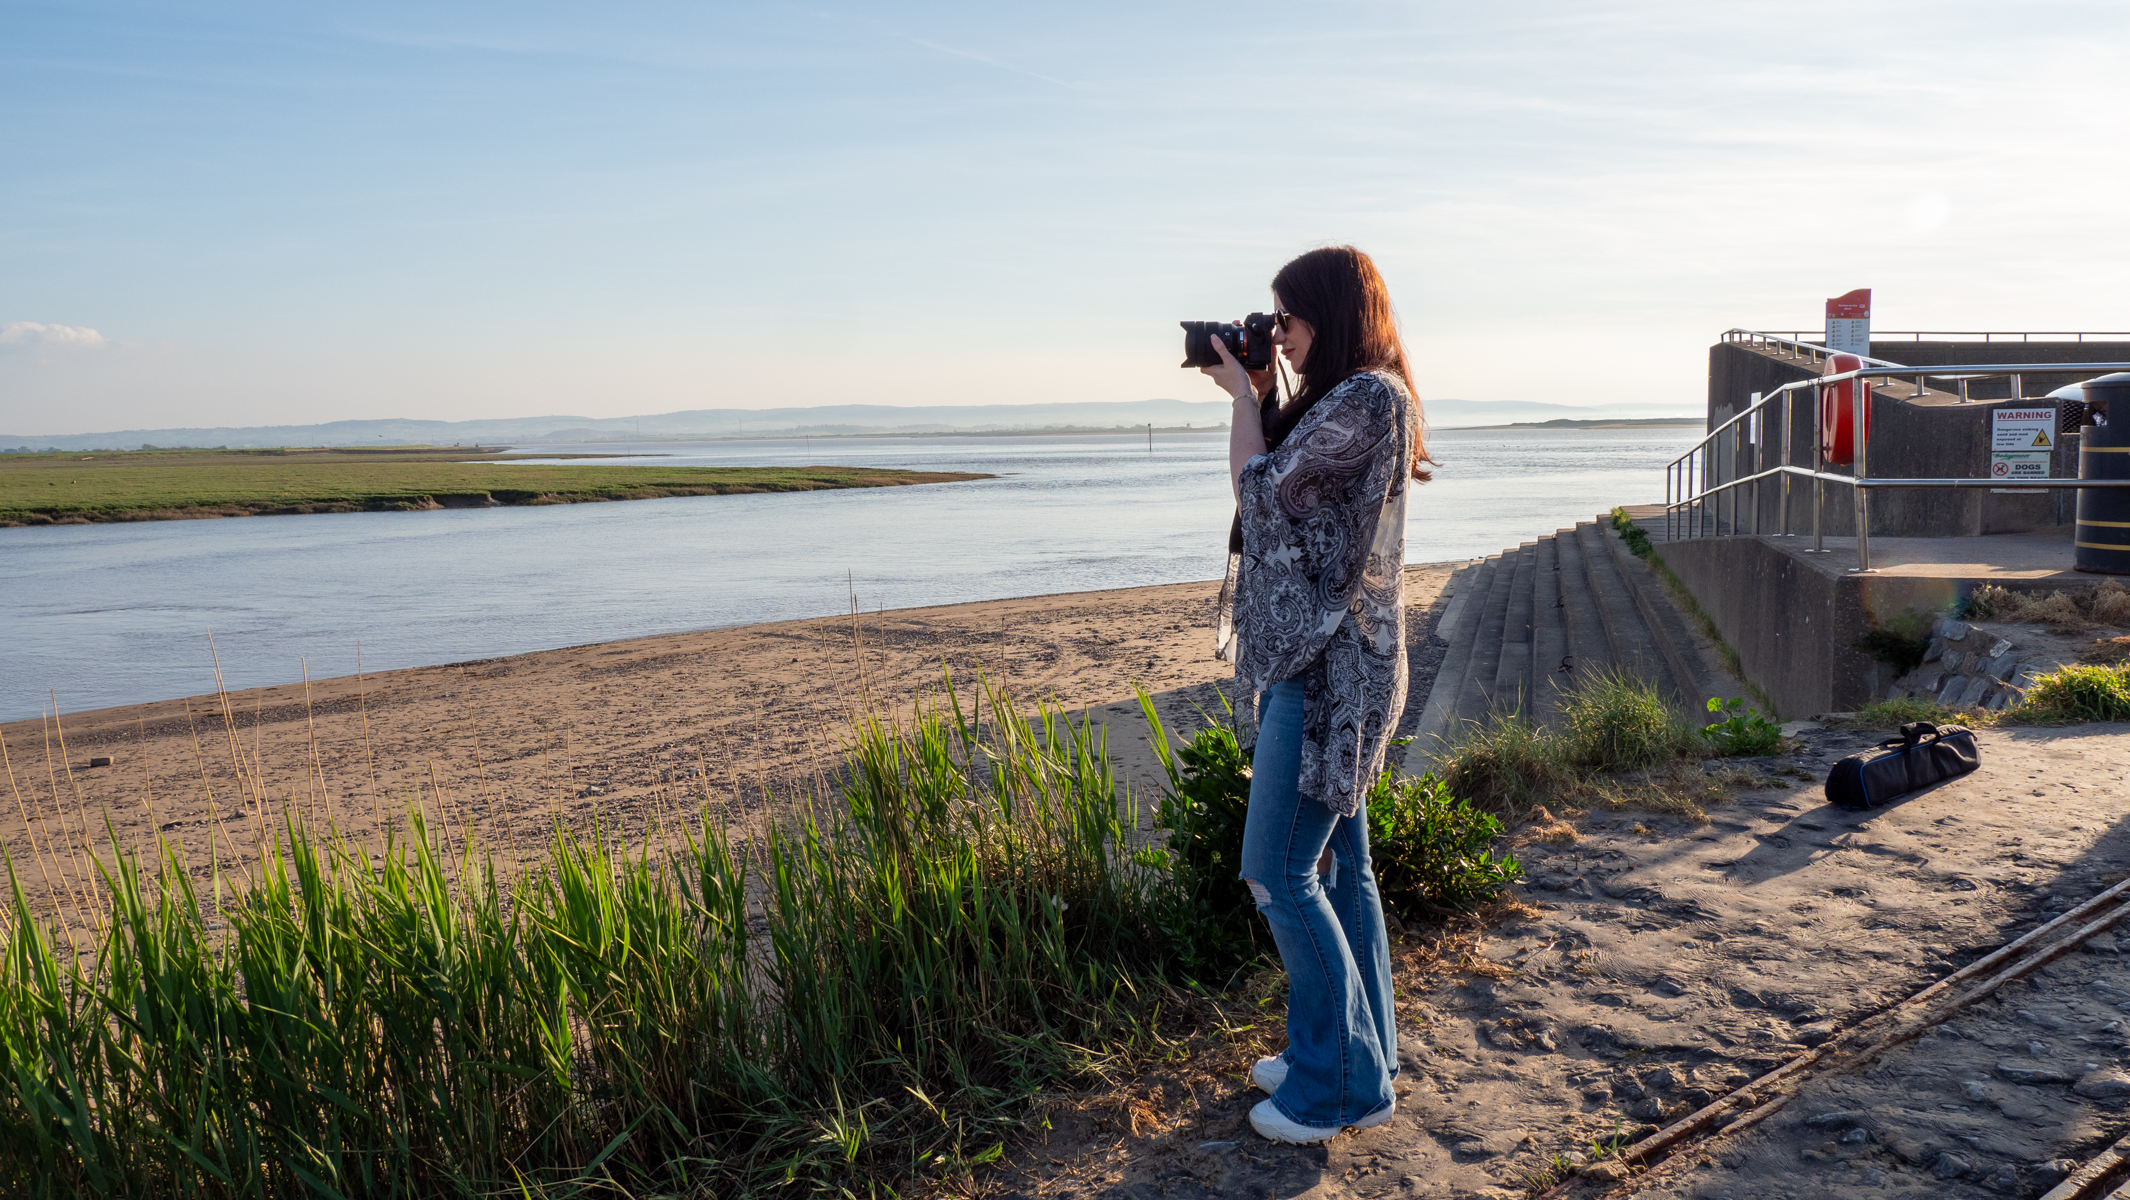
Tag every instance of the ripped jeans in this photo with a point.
(1342, 1037)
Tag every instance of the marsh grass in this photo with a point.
(134, 485)
(866, 995)
(1619, 746)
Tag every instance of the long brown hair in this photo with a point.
(1341, 294)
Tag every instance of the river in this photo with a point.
(103, 615)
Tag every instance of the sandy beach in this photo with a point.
(620, 732)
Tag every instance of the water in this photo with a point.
(119, 614)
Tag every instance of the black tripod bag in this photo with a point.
(1924, 754)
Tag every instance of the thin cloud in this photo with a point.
(37, 333)
(987, 61)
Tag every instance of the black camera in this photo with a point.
(1250, 342)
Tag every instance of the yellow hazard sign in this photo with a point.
(2022, 428)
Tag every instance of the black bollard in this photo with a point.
(2103, 531)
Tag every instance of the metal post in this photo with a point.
(1784, 498)
(1860, 400)
(1760, 440)
(1819, 464)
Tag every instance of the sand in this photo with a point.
(1647, 962)
(1651, 963)
(619, 732)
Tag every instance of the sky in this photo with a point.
(228, 214)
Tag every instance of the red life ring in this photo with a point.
(1837, 409)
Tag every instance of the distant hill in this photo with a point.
(821, 421)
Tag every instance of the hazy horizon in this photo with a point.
(240, 214)
(825, 420)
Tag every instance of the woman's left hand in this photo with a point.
(1229, 374)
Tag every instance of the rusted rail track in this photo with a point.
(1871, 1037)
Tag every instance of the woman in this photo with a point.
(1316, 628)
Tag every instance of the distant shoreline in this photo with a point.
(177, 485)
(1599, 423)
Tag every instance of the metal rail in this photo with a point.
(1694, 507)
(1985, 334)
(1890, 1027)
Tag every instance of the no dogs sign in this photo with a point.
(2022, 445)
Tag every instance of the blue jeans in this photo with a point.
(1342, 1036)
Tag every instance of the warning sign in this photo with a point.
(2022, 429)
(2022, 443)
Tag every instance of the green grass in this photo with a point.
(1892, 714)
(865, 997)
(1619, 745)
(2077, 693)
(134, 485)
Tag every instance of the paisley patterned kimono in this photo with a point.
(1319, 587)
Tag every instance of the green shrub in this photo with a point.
(1210, 923)
(1431, 850)
(1739, 729)
(1616, 721)
(1503, 764)
(2079, 693)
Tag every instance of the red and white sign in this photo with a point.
(1849, 323)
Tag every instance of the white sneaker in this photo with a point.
(1269, 1073)
(1377, 1117)
(1273, 1125)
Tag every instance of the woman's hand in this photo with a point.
(1232, 378)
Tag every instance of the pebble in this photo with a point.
(1950, 1166)
(1606, 1172)
(2019, 1072)
(2004, 1179)
(1855, 1137)
(1975, 1089)
(2106, 1084)
(2049, 1174)
(2036, 1049)
(1661, 1080)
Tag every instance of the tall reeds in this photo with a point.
(866, 991)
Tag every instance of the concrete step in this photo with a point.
(1589, 650)
(1468, 587)
(1633, 648)
(1549, 634)
(1527, 626)
(1672, 631)
(1512, 677)
(1475, 695)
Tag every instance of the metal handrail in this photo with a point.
(1817, 350)
(1984, 334)
(1689, 496)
